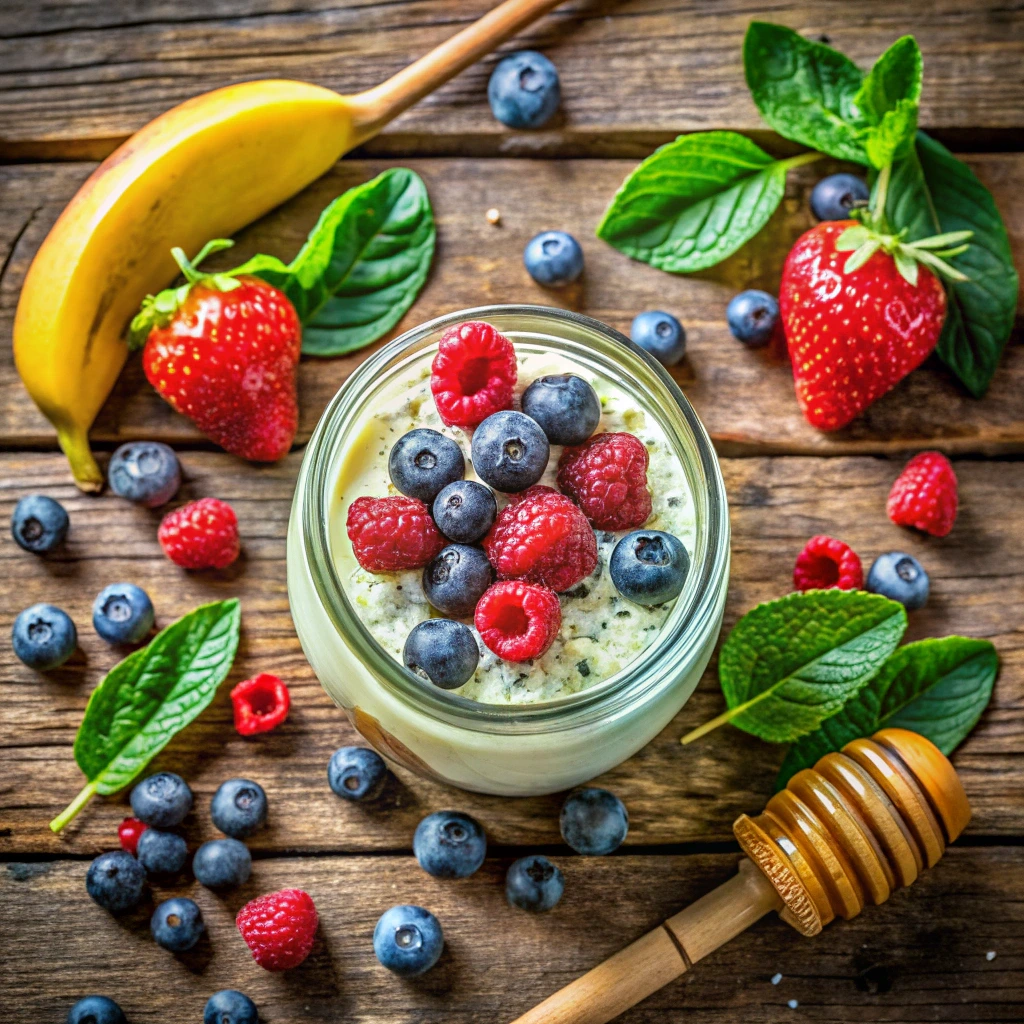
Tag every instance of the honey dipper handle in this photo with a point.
(662, 955)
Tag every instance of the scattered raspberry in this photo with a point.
(473, 374)
(260, 704)
(925, 495)
(544, 538)
(607, 477)
(279, 928)
(389, 534)
(128, 833)
(827, 563)
(201, 535)
(517, 620)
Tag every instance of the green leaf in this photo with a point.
(887, 102)
(937, 688)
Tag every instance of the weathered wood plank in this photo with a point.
(744, 397)
(674, 794)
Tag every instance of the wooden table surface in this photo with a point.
(77, 77)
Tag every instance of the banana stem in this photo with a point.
(71, 811)
(74, 442)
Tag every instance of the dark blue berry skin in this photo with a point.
(44, 637)
(423, 461)
(593, 821)
(39, 524)
(177, 924)
(357, 773)
(239, 808)
(835, 196)
(553, 259)
(146, 472)
(524, 91)
(649, 567)
(465, 510)
(752, 317)
(900, 577)
(122, 613)
(534, 883)
(222, 864)
(115, 880)
(442, 651)
(456, 579)
(230, 1007)
(408, 940)
(510, 451)
(96, 1010)
(161, 800)
(566, 407)
(161, 853)
(660, 334)
(449, 844)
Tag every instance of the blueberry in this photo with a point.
(456, 579)
(510, 451)
(122, 613)
(177, 924)
(553, 259)
(96, 1010)
(752, 316)
(239, 808)
(114, 880)
(465, 510)
(566, 407)
(661, 334)
(593, 821)
(534, 883)
(230, 1007)
(649, 567)
(44, 637)
(222, 864)
(449, 844)
(39, 523)
(442, 651)
(423, 461)
(161, 853)
(408, 940)
(835, 196)
(161, 800)
(900, 577)
(146, 472)
(524, 91)
(357, 773)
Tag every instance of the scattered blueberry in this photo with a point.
(835, 196)
(566, 407)
(752, 316)
(222, 864)
(649, 567)
(442, 651)
(900, 577)
(122, 613)
(534, 883)
(39, 523)
(161, 800)
(96, 1010)
(114, 880)
(423, 461)
(593, 821)
(553, 259)
(524, 91)
(161, 853)
(239, 808)
(146, 472)
(357, 773)
(661, 334)
(177, 924)
(465, 510)
(408, 940)
(44, 637)
(510, 451)
(456, 579)
(449, 844)
(230, 1007)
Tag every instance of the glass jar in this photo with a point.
(522, 749)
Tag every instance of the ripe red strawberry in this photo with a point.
(279, 928)
(201, 535)
(518, 620)
(390, 534)
(473, 374)
(924, 495)
(222, 351)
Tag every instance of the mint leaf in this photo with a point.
(887, 102)
(938, 688)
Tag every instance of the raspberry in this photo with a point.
(260, 704)
(389, 534)
(201, 535)
(826, 563)
(279, 928)
(128, 833)
(473, 374)
(925, 495)
(607, 478)
(544, 538)
(517, 620)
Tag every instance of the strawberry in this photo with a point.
(222, 350)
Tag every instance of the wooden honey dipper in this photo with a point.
(839, 836)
